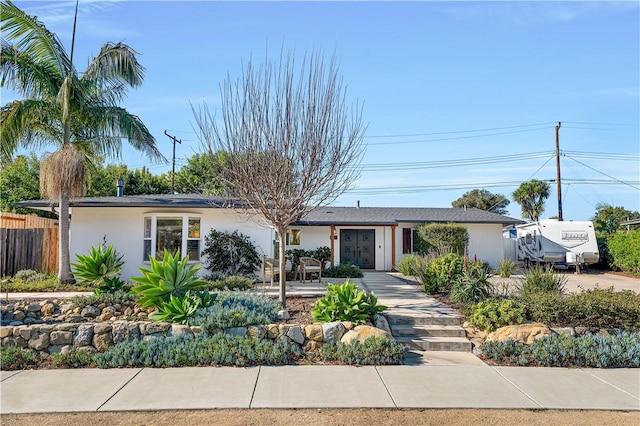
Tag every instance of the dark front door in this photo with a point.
(358, 246)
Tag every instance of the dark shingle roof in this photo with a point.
(323, 216)
(391, 215)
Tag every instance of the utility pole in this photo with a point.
(558, 171)
(173, 161)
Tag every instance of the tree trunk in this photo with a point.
(64, 263)
(281, 231)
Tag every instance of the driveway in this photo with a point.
(594, 279)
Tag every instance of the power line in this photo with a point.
(456, 138)
(602, 173)
(490, 129)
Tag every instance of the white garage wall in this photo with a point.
(486, 242)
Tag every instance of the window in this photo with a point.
(172, 233)
(410, 240)
(293, 237)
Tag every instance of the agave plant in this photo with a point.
(171, 276)
(180, 309)
(101, 264)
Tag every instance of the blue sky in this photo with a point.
(481, 85)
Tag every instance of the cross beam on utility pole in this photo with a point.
(173, 161)
(558, 171)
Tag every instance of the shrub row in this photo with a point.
(604, 308)
(593, 350)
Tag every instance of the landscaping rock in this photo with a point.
(255, 331)
(102, 328)
(524, 333)
(48, 309)
(67, 307)
(102, 342)
(33, 307)
(283, 314)
(363, 332)
(273, 331)
(23, 331)
(179, 330)
(348, 325)
(196, 329)
(123, 331)
(19, 316)
(333, 331)
(311, 346)
(295, 333)
(154, 327)
(380, 321)
(567, 331)
(6, 332)
(39, 341)
(84, 335)
(61, 337)
(58, 349)
(74, 318)
(90, 311)
(313, 332)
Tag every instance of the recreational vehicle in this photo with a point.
(560, 243)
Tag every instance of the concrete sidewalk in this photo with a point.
(139, 389)
(447, 380)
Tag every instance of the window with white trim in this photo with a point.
(171, 232)
(293, 237)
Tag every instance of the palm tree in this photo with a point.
(78, 113)
(531, 196)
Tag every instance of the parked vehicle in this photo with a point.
(560, 243)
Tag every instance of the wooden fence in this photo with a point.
(23, 221)
(28, 242)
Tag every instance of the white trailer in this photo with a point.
(560, 243)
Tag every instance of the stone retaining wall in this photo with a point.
(54, 326)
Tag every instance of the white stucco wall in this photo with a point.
(485, 242)
(124, 228)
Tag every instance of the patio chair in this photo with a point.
(271, 267)
(309, 265)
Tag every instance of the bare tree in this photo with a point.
(292, 142)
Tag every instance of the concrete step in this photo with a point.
(454, 344)
(424, 319)
(427, 330)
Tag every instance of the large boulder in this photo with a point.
(363, 332)
(524, 333)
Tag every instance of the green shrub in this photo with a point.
(16, 358)
(472, 285)
(445, 238)
(613, 351)
(373, 351)
(172, 276)
(343, 270)
(233, 282)
(603, 308)
(39, 283)
(180, 309)
(491, 314)
(438, 275)
(184, 351)
(506, 268)
(323, 254)
(346, 303)
(409, 264)
(73, 359)
(235, 309)
(543, 279)
(230, 254)
(118, 297)
(624, 249)
(544, 307)
(100, 264)
(31, 276)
